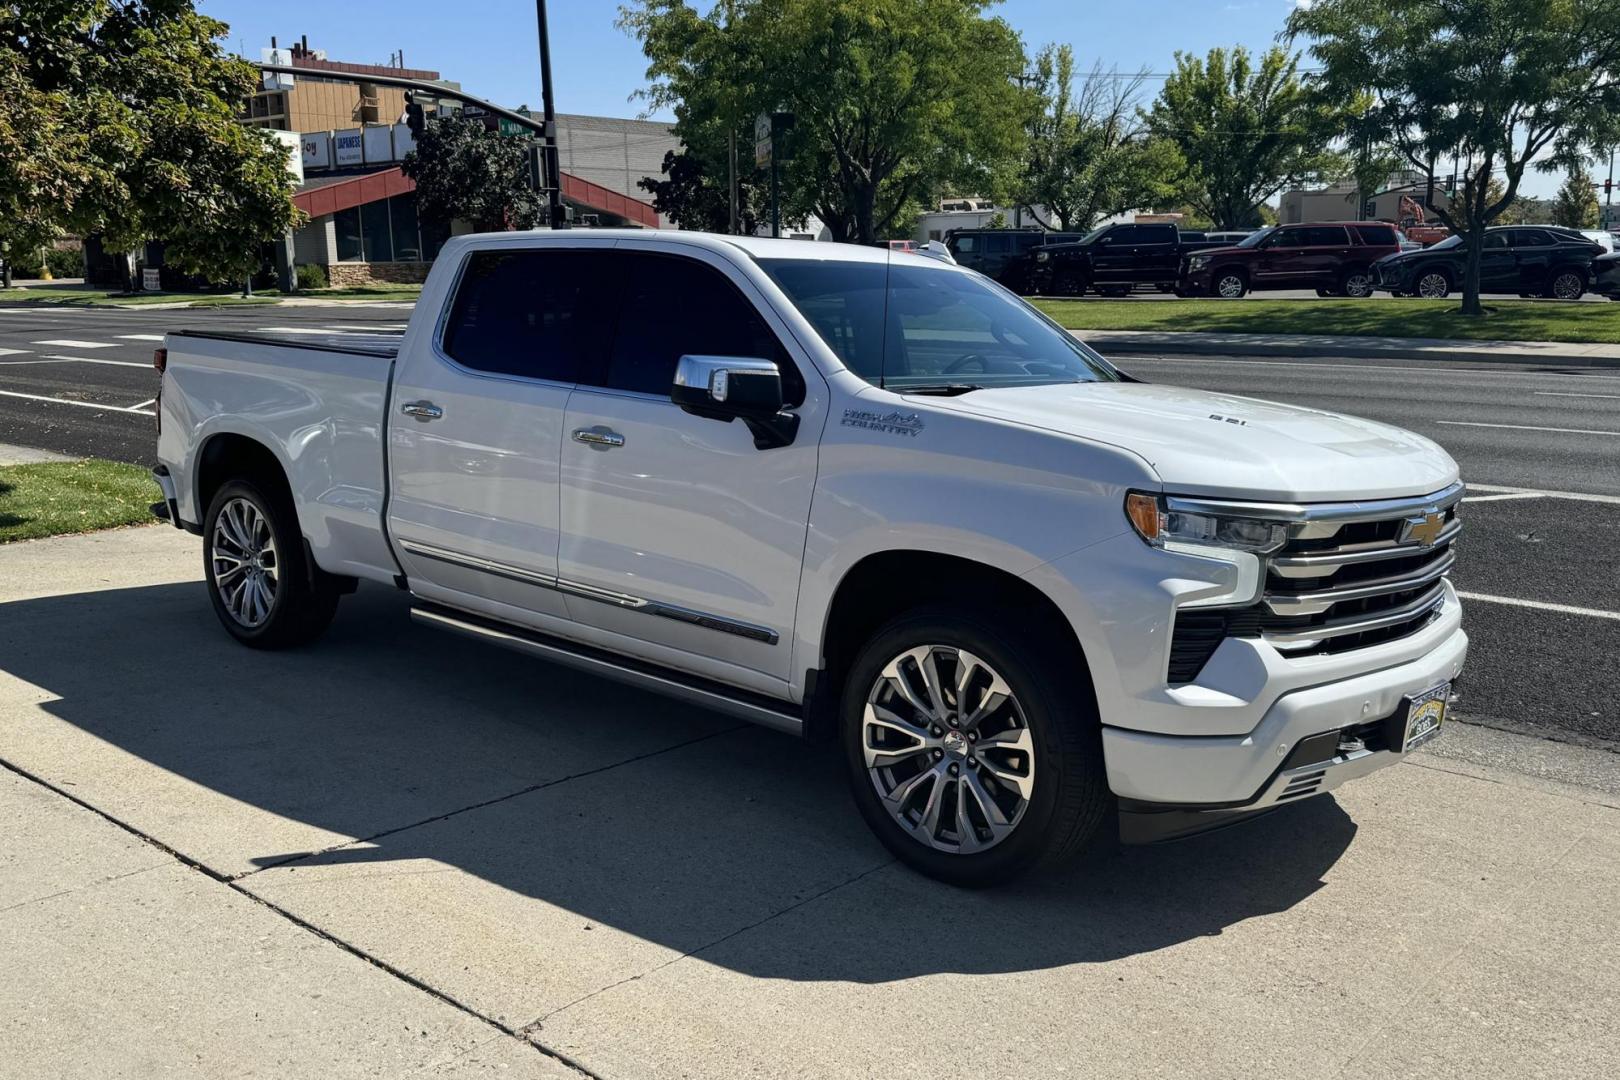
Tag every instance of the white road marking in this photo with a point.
(47, 360)
(14, 352)
(80, 404)
(1541, 605)
(1528, 427)
(1557, 393)
(140, 337)
(74, 343)
(374, 328)
(153, 401)
(1509, 495)
(1577, 496)
(98, 360)
(1126, 359)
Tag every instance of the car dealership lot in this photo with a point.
(463, 862)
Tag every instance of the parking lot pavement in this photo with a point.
(545, 869)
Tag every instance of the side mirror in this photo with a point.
(736, 388)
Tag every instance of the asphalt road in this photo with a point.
(54, 357)
(1556, 434)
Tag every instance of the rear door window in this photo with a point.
(1376, 235)
(1531, 238)
(1324, 236)
(539, 314)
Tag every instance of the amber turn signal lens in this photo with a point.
(1143, 510)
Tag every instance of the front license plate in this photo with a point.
(1424, 717)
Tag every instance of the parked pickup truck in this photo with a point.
(847, 493)
(1112, 259)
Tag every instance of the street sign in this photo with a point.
(762, 140)
(280, 58)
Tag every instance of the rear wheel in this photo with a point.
(973, 751)
(1566, 284)
(1356, 283)
(260, 582)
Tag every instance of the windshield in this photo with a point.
(905, 327)
(1092, 235)
(1449, 242)
(1255, 237)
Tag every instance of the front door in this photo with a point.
(1279, 256)
(478, 420)
(680, 539)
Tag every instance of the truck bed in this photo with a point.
(382, 344)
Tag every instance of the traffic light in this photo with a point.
(1608, 185)
(415, 119)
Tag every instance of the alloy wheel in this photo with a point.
(1433, 286)
(1358, 286)
(1230, 287)
(1568, 286)
(245, 563)
(948, 748)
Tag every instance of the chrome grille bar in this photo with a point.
(1361, 623)
(1322, 563)
(1319, 600)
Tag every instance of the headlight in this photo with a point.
(1164, 528)
(1041, 256)
(1240, 542)
(1198, 262)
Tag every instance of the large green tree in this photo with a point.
(1576, 205)
(1245, 130)
(1501, 82)
(1087, 155)
(465, 172)
(118, 117)
(895, 101)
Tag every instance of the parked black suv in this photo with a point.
(1530, 260)
(1112, 259)
(989, 251)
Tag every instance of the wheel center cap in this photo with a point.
(954, 744)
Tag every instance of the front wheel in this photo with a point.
(1068, 283)
(1230, 285)
(1566, 285)
(259, 578)
(974, 752)
(1434, 285)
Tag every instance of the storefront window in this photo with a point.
(407, 242)
(374, 232)
(347, 223)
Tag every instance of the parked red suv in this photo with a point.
(1333, 257)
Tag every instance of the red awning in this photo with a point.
(341, 193)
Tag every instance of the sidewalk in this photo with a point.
(1565, 354)
(11, 454)
(397, 853)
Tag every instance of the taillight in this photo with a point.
(160, 360)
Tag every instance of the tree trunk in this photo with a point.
(865, 213)
(1471, 268)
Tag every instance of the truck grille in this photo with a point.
(1350, 576)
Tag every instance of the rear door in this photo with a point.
(1323, 253)
(478, 421)
(681, 539)
(1158, 254)
(1499, 264)
(1533, 253)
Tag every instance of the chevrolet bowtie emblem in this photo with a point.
(1424, 530)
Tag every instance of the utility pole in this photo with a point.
(733, 219)
(555, 212)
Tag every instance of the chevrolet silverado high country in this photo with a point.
(845, 492)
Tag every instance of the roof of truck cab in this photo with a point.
(760, 247)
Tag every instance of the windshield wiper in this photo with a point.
(954, 389)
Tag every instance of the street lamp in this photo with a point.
(554, 201)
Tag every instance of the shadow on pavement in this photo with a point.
(648, 816)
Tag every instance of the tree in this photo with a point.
(119, 118)
(1245, 132)
(895, 101)
(1087, 156)
(1576, 205)
(466, 172)
(1500, 81)
(693, 192)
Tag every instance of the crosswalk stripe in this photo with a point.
(74, 343)
(140, 337)
(12, 352)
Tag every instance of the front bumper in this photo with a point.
(1173, 785)
(1391, 278)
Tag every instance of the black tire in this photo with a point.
(1068, 283)
(1356, 283)
(298, 610)
(1114, 291)
(1325, 293)
(1228, 284)
(1565, 283)
(1069, 800)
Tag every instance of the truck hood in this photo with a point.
(1203, 443)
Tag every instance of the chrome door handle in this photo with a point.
(422, 410)
(599, 436)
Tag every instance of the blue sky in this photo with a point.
(490, 46)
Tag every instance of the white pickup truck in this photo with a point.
(848, 493)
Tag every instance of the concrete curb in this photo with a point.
(27, 455)
(1115, 342)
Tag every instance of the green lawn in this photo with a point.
(1508, 320)
(56, 497)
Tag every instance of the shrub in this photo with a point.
(310, 276)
